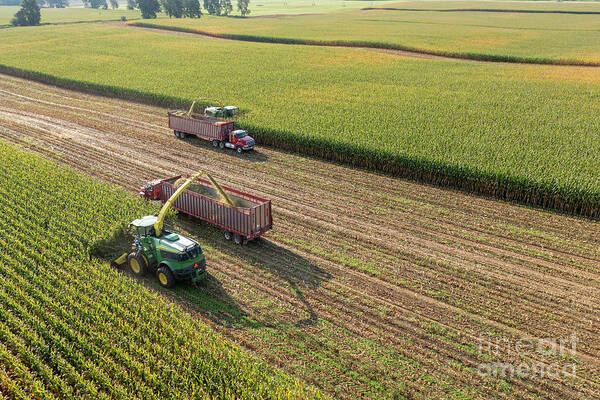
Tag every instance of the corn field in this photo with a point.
(493, 31)
(515, 132)
(75, 328)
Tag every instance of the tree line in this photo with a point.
(187, 8)
(29, 14)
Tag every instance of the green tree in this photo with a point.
(149, 8)
(95, 3)
(131, 4)
(173, 8)
(191, 9)
(114, 4)
(226, 7)
(213, 7)
(57, 3)
(28, 15)
(243, 7)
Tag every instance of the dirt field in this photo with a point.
(368, 286)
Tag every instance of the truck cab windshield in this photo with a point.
(240, 134)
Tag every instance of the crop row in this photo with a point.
(517, 137)
(73, 328)
(289, 34)
(469, 30)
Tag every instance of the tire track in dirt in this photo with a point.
(437, 353)
(128, 144)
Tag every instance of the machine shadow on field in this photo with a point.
(212, 302)
(208, 299)
(269, 261)
(252, 155)
(298, 272)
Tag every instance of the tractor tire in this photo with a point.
(165, 277)
(237, 239)
(215, 143)
(239, 150)
(221, 145)
(137, 264)
(228, 235)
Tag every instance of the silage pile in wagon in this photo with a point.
(210, 193)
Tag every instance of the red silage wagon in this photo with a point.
(220, 132)
(250, 219)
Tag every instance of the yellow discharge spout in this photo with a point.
(158, 225)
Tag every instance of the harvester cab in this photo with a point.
(171, 256)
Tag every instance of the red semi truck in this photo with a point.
(250, 219)
(220, 131)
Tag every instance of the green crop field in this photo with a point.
(368, 285)
(71, 14)
(517, 131)
(72, 328)
(549, 32)
(283, 7)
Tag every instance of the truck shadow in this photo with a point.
(252, 155)
(273, 264)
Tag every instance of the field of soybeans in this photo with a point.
(518, 132)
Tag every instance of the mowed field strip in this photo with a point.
(367, 285)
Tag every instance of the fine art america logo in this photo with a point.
(551, 358)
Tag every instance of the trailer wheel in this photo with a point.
(215, 143)
(222, 145)
(227, 235)
(165, 277)
(176, 133)
(237, 239)
(137, 264)
(239, 150)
